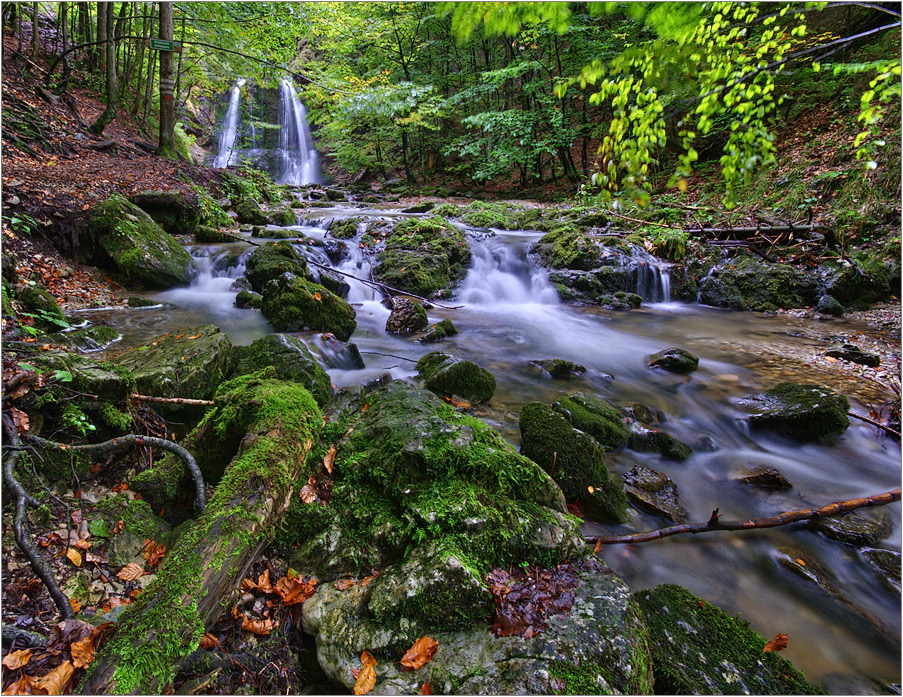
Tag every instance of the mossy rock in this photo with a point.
(620, 301)
(497, 215)
(808, 413)
(175, 212)
(828, 305)
(879, 278)
(573, 458)
(283, 217)
(138, 302)
(439, 331)
(110, 382)
(424, 207)
(93, 338)
(747, 283)
(657, 441)
(595, 416)
(271, 261)
(654, 492)
(6, 295)
(248, 299)
(567, 248)
(447, 210)
(886, 564)
(700, 649)
(139, 523)
(290, 357)
(249, 212)
(855, 529)
(674, 360)
(447, 375)
(407, 317)
(293, 304)
(560, 368)
(190, 363)
(206, 233)
(345, 229)
(126, 240)
(35, 300)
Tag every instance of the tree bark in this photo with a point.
(34, 31)
(102, 33)
(109, 113)
(167, 145)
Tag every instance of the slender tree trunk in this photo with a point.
(19, 29)
(148, 92)
(34, 31)
(179, 66)
(404, 157)
(110, 112)
(102, 34)
(140, 60)
(167, 145)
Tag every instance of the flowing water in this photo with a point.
(226, 153)
(510, 315)
(297, 154)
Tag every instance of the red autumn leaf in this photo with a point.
(779, 643)
(366, 681)
(119, 487)
(82, 544)
(20, 419)
(293, 590)
(598, 547)
(263, 582)
(355, 672)
(208, 641)
(329, 458)
(75, 604)
(420, 653)
(317, 296)
(131, 572)
(17, 659)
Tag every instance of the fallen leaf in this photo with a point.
(367, 580)
(119, 487)
(76, 516)
(779, 643)
(367, 659)
(118, 527)
(293, 590)
(247, 585)
(74, 556)
(131, 572)
(425, 689)
(20, 419)
(17, 659)
(82, 544)
(196, 336)
(308, 493)
(22, 686)
(208, 641)
(329, 458)
(76, 604)
(420, 653)
(598, 547)
(82, 652)
(366, 680)
(263, 582)
(344, 584)
(591, 489)
(116, 601)
(56, 680)
(259, 627)
(317, 296)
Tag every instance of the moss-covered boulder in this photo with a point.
(747, 283)
(271, 261)
(139, 524)
(283, 217)
(886, 564)
(423, 256)
(700, 649)
(126, 240)
(246, 299)
(107, 380)
(809, 413)
(424, 207)
(249, 212)
(567, 248)
(407, 317)
(854, 354)
(345, 229)
(653, 440)
(207, 233)
(828, 305)
(438, 332)
(175, 212)
(290, 357)
(595, 416)
(766, 478)
(483, 214)
(447, 210)
(294, 304)
(447, 375)
(620, 301)
(36, 302)
(854, 528)
(93, 338)
(872, 278)
(574, 459)
(674, 360)
(190, 363)
(560, 368)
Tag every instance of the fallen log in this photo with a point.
(182, 401)
(266, 427)
(715, 524)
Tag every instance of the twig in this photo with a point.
(390, 355)
(877, 424)
(133, 439)
(172, 400)
(715, 524)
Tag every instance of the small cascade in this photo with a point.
(650, 276)
(227, 154)
(296, 152)
(501, 273)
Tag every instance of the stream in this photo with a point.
(511, 315)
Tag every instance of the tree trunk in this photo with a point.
(167, 145)
(152, 60)
(140, 61)
(34, 31)
(209, 561)
(409, 175)
(102, 33)
(110, 49)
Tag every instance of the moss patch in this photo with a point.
(292, 304)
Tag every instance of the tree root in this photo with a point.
(132, 439)
(715, 524)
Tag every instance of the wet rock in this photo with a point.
(654, 492)
(290, 357)
(657, 441)
(497, 215)
(620, 301)
(205, 233)
(139, 524)
(345, 229)
(886, 564)
(249, 212)
(854, 354)
(175, 212)
(407, 317)
(420, 207)
(248, 299)
(240, 284)
(574, 459)
(766, 478)
(675, 360)
(595, 416)
(125, 239)
(808, 413)
(91, 339)
(827, 305)
(293, 304)
(271, 261)
(855, 529)
(447, 210)
(748, 283)
(559, 368)
(283, 217)
(873, 278)
(334, 249)
(646, 415)
(447, 375)
(190, 363)
(36, 301)
(701, 649)
(333, 282)
(88, 376)
(567, 248)
(336, 195)
(341, 355)
(438, 332)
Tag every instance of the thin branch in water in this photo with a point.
(874, 423)
(390, 355)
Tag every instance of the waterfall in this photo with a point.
(226, 155)
(297, 154)
(650, 277)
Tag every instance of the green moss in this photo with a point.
(345, 229)
(583, 679)
(117, 420)
(595, 416)
(142, 302)
(497, 215)
(804, 412)
(447, 210)
(283, 217)
(38, 303)
(137, 517)
(248, 299)
(445, 374)
(271, 261)
(290, 357)
(439, 331)
(296, 304)
(566, 247)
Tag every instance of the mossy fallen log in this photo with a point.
(265, 428)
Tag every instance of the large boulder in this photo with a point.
(271, 261)
(290, 357)
(447, 375)
(654, 492)
(869, 279)
(808, 413)
(190, 363)
(37, 302)
(93, 338)
(438, 332)
(568, 248)
(126, 240)
(574, 459)
(593, 415)
(675, 360)
(747, 283)
(249, 212)
(407, 317)
(700, 649)
(175, 212)
(292, 304)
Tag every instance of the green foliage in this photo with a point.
(212, 213)
(73, 418)
(21, 222)
(250, 183)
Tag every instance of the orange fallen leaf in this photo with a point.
(116, 601)
(308, 493)
(22, 686)
(425, 689)
(329, 458)
(293, 590)
(73, 556)
(598, 547)
(20, 419)
(75, 604)
(367, 580)
(82, 652)
(259, 627)
(263, 582)
(247, 585)
(118, 527)
(56, 680)
(82, 544)
(119, 487)
(365, 407)
(344, 584)
(208, 641)
(317, 296)
(196, 336)
(131, 572)
(779, 643)
(367, 659)
(420, 653)
(17, 659)
(366, 681)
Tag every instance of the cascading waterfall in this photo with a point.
(227, 155)
(650, 276)
(500, 272)
(297, 154)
